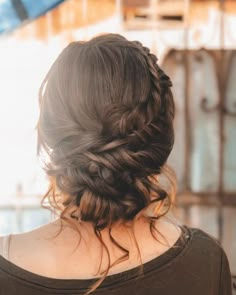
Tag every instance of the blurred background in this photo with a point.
(196, 45)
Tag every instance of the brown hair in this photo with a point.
(106, 123)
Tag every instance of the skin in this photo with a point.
(38, 252)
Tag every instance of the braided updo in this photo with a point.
(106, 122)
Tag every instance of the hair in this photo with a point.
(106, 125)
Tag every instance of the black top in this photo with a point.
(195, 265)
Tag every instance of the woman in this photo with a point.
(106, 128)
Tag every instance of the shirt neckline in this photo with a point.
(36, 280)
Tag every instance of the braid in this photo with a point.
(110, 136)
(111, 169)
(159, 80)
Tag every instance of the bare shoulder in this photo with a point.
(31, 249)
(44, 240)
(31, 240)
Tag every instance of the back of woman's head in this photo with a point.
(106, 121)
